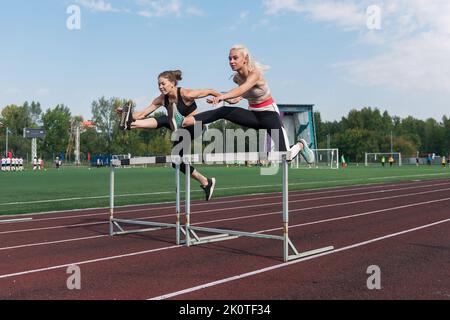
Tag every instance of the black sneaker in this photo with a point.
(209, 189)
(127, 117)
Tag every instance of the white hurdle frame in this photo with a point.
(222, 234)
(189, 231)
(115, 223)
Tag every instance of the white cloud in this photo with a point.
(416, 46)
(414, 39)
(98, 5)
(420, 63)
(346, 14)
(280, 6)
(194, 11)
(244, 14)
(159, 8)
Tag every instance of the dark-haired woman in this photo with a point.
(177, 101)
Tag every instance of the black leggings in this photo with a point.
(268, 120)
(163, 122)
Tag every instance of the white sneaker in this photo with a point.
(306, 152)
(177, 119)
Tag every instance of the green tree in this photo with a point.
(106, 121)
(16, 118)
(446, 128)
(57, 126)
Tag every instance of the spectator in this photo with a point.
(35, 163)
(429, 159)
(391, 161)
(344, 164)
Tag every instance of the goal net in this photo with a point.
(325, 159)
(376, 158)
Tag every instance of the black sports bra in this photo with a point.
(181, 106)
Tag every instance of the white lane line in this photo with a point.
(246, 217)
(239, 208)
(177, 246)
(228, 188)
(320, 221)
(88, 261)
(341, 188)
(16, 220)
(51, 242)
(359, 214)
(283, 265)
(249, 217)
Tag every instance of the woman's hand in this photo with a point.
(216, 100)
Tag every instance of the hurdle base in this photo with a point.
(223, 235)
(115, 224)
(308, 253)
(211, 239)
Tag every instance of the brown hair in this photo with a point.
(173, 76)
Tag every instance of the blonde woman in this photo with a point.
(262, 112)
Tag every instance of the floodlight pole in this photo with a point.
(6, 147)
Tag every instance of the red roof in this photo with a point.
(88, 124)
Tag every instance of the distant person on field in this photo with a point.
(443, 162)
(383, 160)
(344, 164)
(391, 161)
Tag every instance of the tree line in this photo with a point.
(369, 130)
(365, 130)
(102, 139)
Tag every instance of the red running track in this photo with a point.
(402, 228)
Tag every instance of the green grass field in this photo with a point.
(75, 188)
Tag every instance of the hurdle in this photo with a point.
(223, 234)
(190, 232)
(117, 226)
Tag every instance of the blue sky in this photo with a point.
(320, 51)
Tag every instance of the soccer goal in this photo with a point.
(325, 159)
(376, 158)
